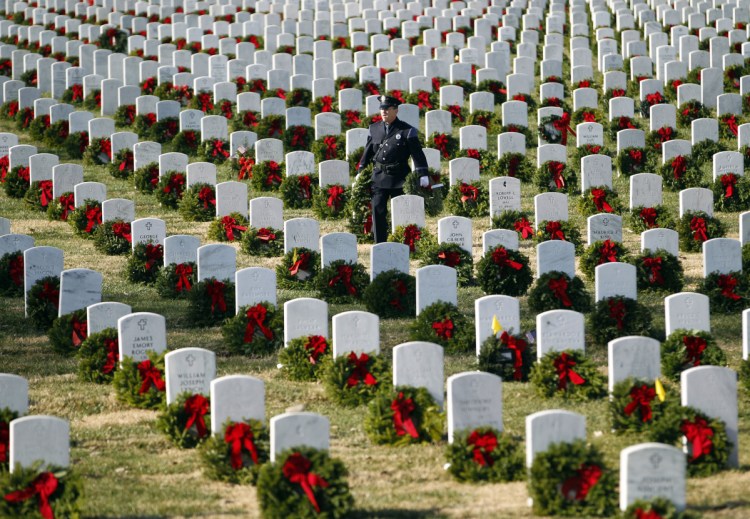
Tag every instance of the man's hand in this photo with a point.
(424, 181)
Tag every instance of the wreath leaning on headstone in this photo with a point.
(186, 421)
(681, 172)
(176, 280)
(359, 221)
(558, 291)
(11, 274)
(637, 404)
(354, 379)
(144, 264)
(451, 255)
(504, 271)
(210, 302)
(567, 374)
(442, 323)
(141, 384)
(558, 230)
(731, 193)
(508, 356)
(659, 270)
(728, 293)
(696, 227)
(254, 330)
(685, 349)
(236, 453)
(68, 332)
(392, 294)
(297, 191)
(656, 508)
(515, 221)
(485, 454)
(98, 152)
(59, 208)
(113, 237)
(330, 202)
(555, 176)
(228, 228)
(265, 242)
(198, 203)
(303, 357)
(297, 268)
(86, 218)
(599, 253)
(22, 497)
(98, 357)
(39, 195)
(341, 282)
(146, 178)
(214, 150)
(17, 182)
(468, 199)
(267, 176)
(6, 416)
(170, 189)
(404, 416)
(42, 302)
(645, 218)
(601, 199)
(631, 161)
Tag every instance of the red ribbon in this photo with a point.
(444, 328)
(654, 265)
(360, 372)
(13, 108)
(256, 316)
(207, 196)
(334, 197)
(80, 331)
(600, 200)
(552, 101)
(524, 227)
(150, 119)
(316, 346)
(50, 293)
(130, 113)
(694, 347)
(230, 225)
(305, 182)
(727, 284)
(218, 148)
(698, 226)
(176, 183)
(250, 120)
(554, 230)
(352, 118)
(204, 102)
(473, 154)
(640, 398)
(246, 167)
(423, 100)
(215, 290)
(617, 311)
(563, 126)
(344, 276)
(556, 169)
(16, 270)
(402, 422)
(607, 252)
(589, 117)
(226, 109)
(468, 192)
(483, 445)
(698, 433)
(517, 346)
(122, 230)
(326, 104)
(197, 407)
(127, 162)
(412, 234)
(150, 376)
(618, 92)
(4, 165)
(455, 111)
(592, 149)
(239, 436)
(648, 215)
(559, 288)
(265, 235)
(299, 136)
(258, 85)
(300, 264)
(183, 272)
(731, 123)
(665, 134)
(77, 91)
(4, 442)
(675, 84)
(154, 254)
(501, 258)
(113, 356)
(45, 195)
(679, 167)
(449, 258)
(23, 173)
(728, 182)
(564, 367)
(625, 123)
(635, 156)
(43, 486)
(584, 84)
(331, 145)
(274, 174)
(441, 143)
(281, 93)
(655, 98)
(578, 486)
(297, 470)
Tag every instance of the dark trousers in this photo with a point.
(380, 198)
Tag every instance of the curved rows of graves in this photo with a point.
(678, 57)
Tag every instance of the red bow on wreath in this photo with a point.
(483, 445)
(654, 265)
(105, 145)
(698, 434)
(441, 143)
(246, 167)
(43, 486)
(694, 347)
(449, 258)
(607, 252)
(514, 162)
(13, 107)
(444, 328)
(274, 174)
(79, 331)
(412, 234)
(126, 164)
(640, 398)
(196, 408)
(344, 276)
(698, 226)
(122, 230)
(50, 294)
(113, 356)
(402, 422)
(524, 227)
(305, 182)
(360, 372)
(150, 376)
(727, 284)
(600, 200)
(316, 346)
(589, 117)
(250, 120)
(265, 235)
(563, 126)
(554, 230)
(423, 100)
(4, 165)
(648, 215)
(335, 193)
(517, 346)
(258, 85)
(676, 83)
(204, 102)
(625, 123)
(23, 173)
(299, 136)
(679, 167)
(473, 154)
(4, 441)
(154, 254)
(401, 290)
(665, 134)
(468, 193)
(653, 99)
(183, 272)
(239, 436)
(175, 184)
(577, 487)
(218, 148)
(16, 270)
(731, 122)
(455, 111)
(728, 181)
(399, 95)
(130, 113)
(564, 368)
(207, 196)
(617, 311)
(226, 109)
(326, 104)
(45, 192)
(501, 258)
(77, 91)
(297, 470)
(300, 264)
(556, 170)
(150, 119)
(352, 118)
(230, 225)
(215, 290)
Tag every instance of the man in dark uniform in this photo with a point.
(389, 146)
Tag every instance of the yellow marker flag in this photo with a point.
(496, 326)
(660, 390)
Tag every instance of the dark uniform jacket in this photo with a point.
(390, 154)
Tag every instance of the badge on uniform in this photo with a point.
(398, 136)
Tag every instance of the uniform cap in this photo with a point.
(388, 101)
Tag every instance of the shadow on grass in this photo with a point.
(722, 506)
(397, 514)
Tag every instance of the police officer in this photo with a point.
(390, 143)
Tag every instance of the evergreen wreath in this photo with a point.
(271, 127)
(708, 445)
(487, 455)
(433, 198)
(236, 454)
(696, 227)
(557, 291)
(744, 374)
(113, 237)
(468, 199)
(404, 416)
(689, 112)
(445, 143)
(298, 267)
(654, 139)
(214, 150)
(526, 98)
(635, 405)
(141, 384)
(164, 130)
(703, 152)
(11, 274)
(359, 221)
(198, 203)
(392, 294)
(497, 88)
(229, 228)
(147, 178)
(245, 120)
(144, 264)
(98, 152)
(186, 421)
(330, 202)
(176, 280)
(681, 172)
(187, 142)
(418, 239)
(508, 356)
(86, 218)
(17, 182)
(38, 128)
(42, 302)
(622, 122)
(98, 356)
(601, 199)
(685, 349)
(267, 176)
(558, 230)
(572, 479)
(588, 149)
(124, 116)
(352, 119)
(242, 164)
(504, 271)
(352, 379)
(458, 114)
(303, 358)
(567, 374)
(264, 242)
(483, 118)
(210, 302)
(670, 89)
(555, 176)
(645, 218)
(324, 104)
(659, 270)
(656, 508)
(59, 208)
(297, 191)
(450, 255)
(121, 165)
(23, 499)
(341, 282)
(255, 330)
(745, 150)
(39, 195)
(57, 133)
(727, 293)
(24, 117)
(202, 101)
(6, 416)
(424, 100)
(305, 483)
(114, 40)
(68, 332)
(486, 160)
(588, 115)
(75, 144)
(515, 165)
(516, 221)
(442, 323)
(331, 147)
(731, 193)
(170, 188)
(600, 252)
(729, 126)
(651, 100)
(615, 317)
